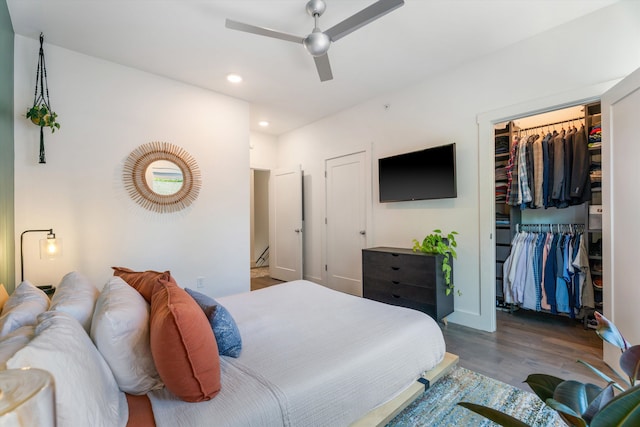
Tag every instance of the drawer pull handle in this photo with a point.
(395, 268)
(395, 296)
(395, 254)
(395, 282)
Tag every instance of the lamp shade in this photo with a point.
(27, 399)
(50, 248)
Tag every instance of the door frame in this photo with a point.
(484, 317)
(368, 174)
(613, 278)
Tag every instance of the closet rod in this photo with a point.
(550, 227)
(552, 124)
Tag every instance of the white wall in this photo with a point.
(263, 151)
(443, 109)
(106, 110)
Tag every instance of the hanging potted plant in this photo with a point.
(41, 113)
(438, 243)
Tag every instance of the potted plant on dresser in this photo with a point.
(445, 245)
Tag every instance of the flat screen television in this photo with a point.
(419, 175)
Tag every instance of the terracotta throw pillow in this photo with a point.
(183, 346)
(142, 281)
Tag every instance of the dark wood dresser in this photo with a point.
(410, 279)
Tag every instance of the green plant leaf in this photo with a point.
(601, 375)
(609, 332)
(630, 363)
(494, 415)
(598, 403)
(543, 385)
(576, 395)
(566, 413)
(622, 411)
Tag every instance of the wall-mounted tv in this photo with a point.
(419, 175)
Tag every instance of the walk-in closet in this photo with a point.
(548, 213)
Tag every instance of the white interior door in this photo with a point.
(285, 224)
(621, 203)
(346, 224)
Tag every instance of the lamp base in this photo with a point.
(48, 289)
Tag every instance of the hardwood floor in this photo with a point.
(525, 343)
(263, 282)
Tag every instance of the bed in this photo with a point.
(311, 356)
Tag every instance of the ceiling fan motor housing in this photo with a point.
(317, 43)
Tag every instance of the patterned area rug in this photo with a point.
(437, 406)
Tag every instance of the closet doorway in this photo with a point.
(548, 205)
(485, 316)
(259, 229)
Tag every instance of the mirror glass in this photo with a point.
(164, 177)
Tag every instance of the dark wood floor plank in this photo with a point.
(526, 343)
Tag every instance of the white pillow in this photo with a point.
(120, 330)
(14, 341)
(77, 296)
(22, 308)
(86, 392)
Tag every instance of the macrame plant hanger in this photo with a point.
(41, 113)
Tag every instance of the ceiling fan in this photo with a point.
(317, 43)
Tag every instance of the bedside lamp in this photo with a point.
(27, 398)
(50, 248)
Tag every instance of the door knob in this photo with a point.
(363, 232)
(297, 230)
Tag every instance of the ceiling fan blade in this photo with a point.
(323, 67)
(235, 25)
(362, 18)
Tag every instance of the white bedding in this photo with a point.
(311, 357)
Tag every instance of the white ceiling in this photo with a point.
(187, 40)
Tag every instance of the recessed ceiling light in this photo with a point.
(234, 78)
(263, 123)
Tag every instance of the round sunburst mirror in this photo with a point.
(162, 177)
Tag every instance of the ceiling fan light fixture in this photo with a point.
(317, 43)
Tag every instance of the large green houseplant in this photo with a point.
(583, 405)
(438, 243)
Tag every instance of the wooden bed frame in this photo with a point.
(385, 413)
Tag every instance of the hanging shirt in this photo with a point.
(512, 174)
(550, 152)
(581, 263)
(558, 167)
(538, 173)
(545, 253)
(562, 293)
(550, 274)
(524, 196)
(529, 297)
(581, 164)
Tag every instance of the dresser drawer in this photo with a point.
(404, 296)
(410, 269)
(389, 291)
